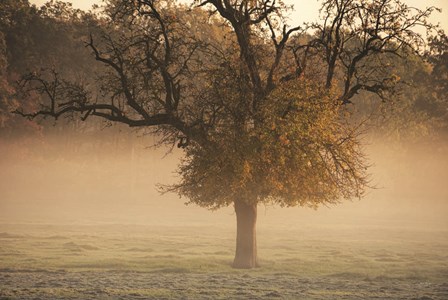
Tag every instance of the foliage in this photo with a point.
(436, 100)
(33, 39)
(418, 108)
(358, 39)
(302, 153)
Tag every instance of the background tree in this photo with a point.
(230, 85)
(436, 100)
(34, 39)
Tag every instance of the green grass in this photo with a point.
(145, 263)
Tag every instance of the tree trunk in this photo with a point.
(246, 241)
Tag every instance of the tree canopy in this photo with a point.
(233, 79)
(301, 153)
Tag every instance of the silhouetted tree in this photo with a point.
(34, 38)
(229, 82)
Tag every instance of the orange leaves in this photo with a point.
(288, 155)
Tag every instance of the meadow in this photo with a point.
(193, 262)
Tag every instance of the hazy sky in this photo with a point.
(307, 10)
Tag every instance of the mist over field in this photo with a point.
(80, 220)
(119, 184)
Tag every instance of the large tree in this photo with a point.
(259, 107)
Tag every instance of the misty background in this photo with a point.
(114, 180)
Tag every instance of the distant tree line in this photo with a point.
(39, 39)
(54, 35)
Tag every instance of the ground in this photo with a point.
(193, 262)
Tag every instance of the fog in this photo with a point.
(115, 182)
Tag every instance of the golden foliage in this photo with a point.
(299, 152)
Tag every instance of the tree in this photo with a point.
(33, 38)
(437, 102)
(259, 112)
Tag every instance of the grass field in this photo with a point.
(193, 262)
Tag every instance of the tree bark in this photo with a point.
(246, 241)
